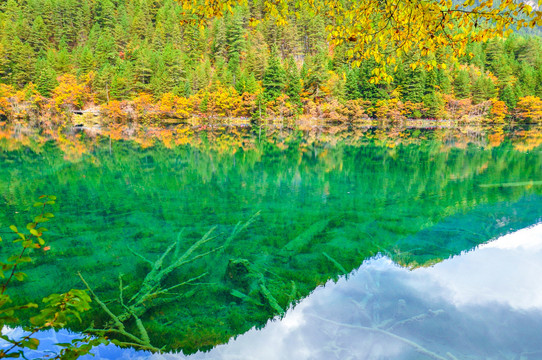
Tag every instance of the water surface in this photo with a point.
(321, 202)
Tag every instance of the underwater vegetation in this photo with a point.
(189, 240)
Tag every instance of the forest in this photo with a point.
(143, 62)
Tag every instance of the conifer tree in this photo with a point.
(462, 84)
(352, 85)
(220, 41)
(45, 79)
(317, 73)
(235, 35)
(293, 82)
(38, 35)
(509, 96)
(22, 62)
(273, 80)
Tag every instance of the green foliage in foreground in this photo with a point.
(58, 310)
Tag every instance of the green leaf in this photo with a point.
(64, 345)
(40, 219)
(14, 228)
(28, 243)
(42, 196)
(30, 343)
(49, 215)
(50, 202)
(4, 299)
(41, 241)
(12, 355)
(31, 225)
(37, 204)
(20, 276)
(33, 343)
(52, 197)
(35, 232)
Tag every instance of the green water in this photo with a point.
(321, 204)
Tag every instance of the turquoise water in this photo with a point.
(319, 204)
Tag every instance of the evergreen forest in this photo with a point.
(142, 61)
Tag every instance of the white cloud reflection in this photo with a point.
(481, 304)
(505, 271)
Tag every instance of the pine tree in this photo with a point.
(478, 91)
(86, 61)
(5, 68)
(22, 63)
(352, 88)
(220, 41)
(45, 78)
(443, 81)
(527, 79)
(235, 35)
(509, 96)
(431, 82)
(273, 80)
(234, 69)
(293, 82)
(434, 105)
(38, 35)
(462, 85)
(105, 50)
(143, 70)
(414, 86)
(317, 73)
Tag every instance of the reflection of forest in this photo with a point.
(327, 197)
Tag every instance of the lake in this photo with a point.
(314, 242)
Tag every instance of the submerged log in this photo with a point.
(296, 245)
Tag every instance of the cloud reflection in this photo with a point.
(483, 304)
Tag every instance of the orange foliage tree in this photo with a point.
(498, 111)
(115, 110)
(6, 92)
(144, 108)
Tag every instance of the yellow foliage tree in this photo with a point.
(499, 110)
(69, 94)
(529, 108)
(174, 106)
(217, 101)
(384, 30)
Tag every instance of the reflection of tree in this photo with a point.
(376, 329)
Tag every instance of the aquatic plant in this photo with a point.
(152, 291)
